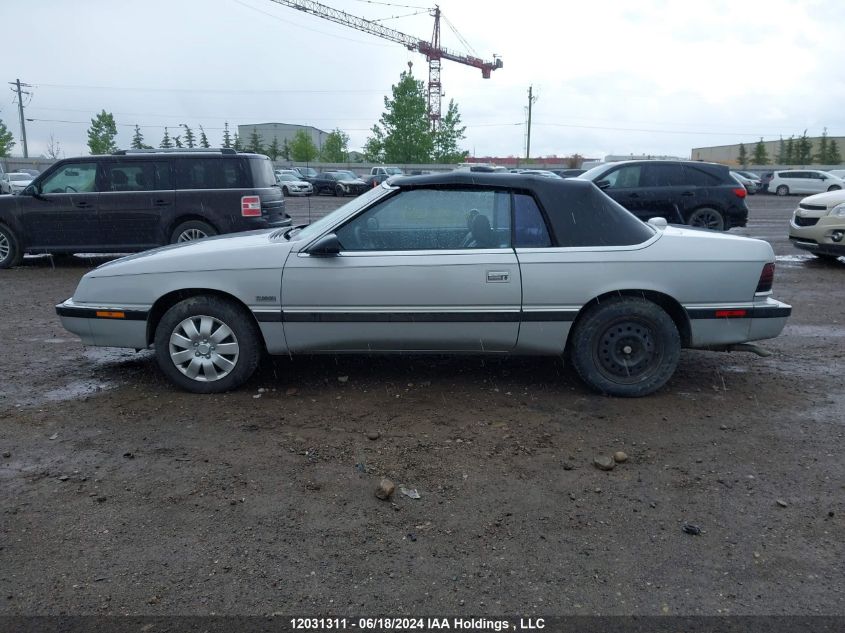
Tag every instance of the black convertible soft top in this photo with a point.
(578, 212)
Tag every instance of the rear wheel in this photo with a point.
(625, 346)
(707, 218)
(782, 190)
(207, 345)
(10, 249)
(192, 230)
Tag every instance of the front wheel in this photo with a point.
(10, 250)
(191, 230)
(285, 192)
(707, 219)
(338, 191)
(834, 188)
(207, 345)
(782, 190)
(625, 346)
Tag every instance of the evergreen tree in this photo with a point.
(804, 150)
(102, 133)
(190, 139)
(824, 150)
(833, 155)
(789, 154)
(227, 138)
(7, 140)
(780, 159)
(335, 147)
(137, 139)
(166, 143)
(743, 155)
(177, 141)
(402, 134)
(273, 149)
(255, 143)
(203, 139)
(286, 150)
(760, 157)
(302, 148)
(236, 143)
(446, 139)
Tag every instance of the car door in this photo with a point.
(136, 203)
(424, 270)
(666, 192)
(802, 182)
(62, 212)
(623, 185)
(817, 182)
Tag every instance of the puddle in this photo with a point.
(75, 390)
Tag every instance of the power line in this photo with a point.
(394, 4)
(208, 90)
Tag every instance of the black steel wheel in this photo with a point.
(625, 346)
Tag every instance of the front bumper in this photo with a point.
(819, 237)
(106, 326)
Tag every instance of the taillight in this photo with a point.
(251, 206)
(766, 278)
(740, 192)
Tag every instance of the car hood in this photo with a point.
(298, 183)
(351, 181)
(829, 198)
(266, 248)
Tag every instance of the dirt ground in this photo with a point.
(121, 495)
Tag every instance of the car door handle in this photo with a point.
(161, 203)
(83, 205)
(498, 276)
(688, 193)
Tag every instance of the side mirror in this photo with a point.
(29, 190)
(326, 246)
(658, 223)
(603, 184)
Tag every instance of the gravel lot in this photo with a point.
(119, 494)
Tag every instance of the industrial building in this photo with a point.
(728, 154)
(281, 132)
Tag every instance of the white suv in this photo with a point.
(790, 181)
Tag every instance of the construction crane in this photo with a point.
(432, 50)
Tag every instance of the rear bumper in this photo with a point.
(723, 325)
(106, 326)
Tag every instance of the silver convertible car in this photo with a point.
(454, 263)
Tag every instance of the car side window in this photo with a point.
(210, 173)
(698, 177)
(129, 177)
(663, 176)
(432, 219)
(72, 178)
(529, 228)
(624, 177)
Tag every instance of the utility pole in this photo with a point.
(17, 83)
(531, 100)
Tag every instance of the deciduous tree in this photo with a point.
(402, 134)
(7, 140)
(335, 147)
(102, 133)
(302, 148)
(446, 138)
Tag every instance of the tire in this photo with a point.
(834, 188)
(617, 332)
(782, 190)
(338, 191)
(707, 218)
(192, 230)
(184, 345)
(285, 192)
(10, 249)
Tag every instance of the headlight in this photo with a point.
(838, 211)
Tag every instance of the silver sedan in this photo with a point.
(449, 263)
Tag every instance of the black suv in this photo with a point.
(139, 199)
(683, 192)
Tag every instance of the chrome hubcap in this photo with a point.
(5, 247)
(204, 348)
(190, 235)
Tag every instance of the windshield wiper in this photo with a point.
(297, 228)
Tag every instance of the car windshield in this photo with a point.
(287, 177)
(314, 229)
(20, 177)
(595, 172)
(346, 174)
(393, 171)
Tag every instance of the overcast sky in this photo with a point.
(611, 77)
